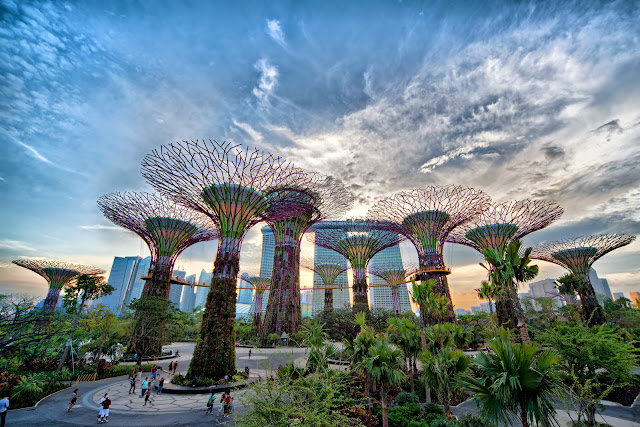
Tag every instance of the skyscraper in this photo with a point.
(340, 296)
(135, 289)
(600, 286)
(618, 295)
(175, 291)
(544, 289)
(188, 298)
(245, 295)
(381, 296)
(121, 277)
(201, 291)
(266, 263)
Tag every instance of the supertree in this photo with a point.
(494, 229)
(260, 285)
(394, 277)
(167, 229)
(358, 241)
(57, 274)
(226, 183)
(328, 272)
(426, 216)
(578, 255)
(291, 211)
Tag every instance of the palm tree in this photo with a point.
(568, 285)
(383, 365)
(518, 380)
(360, 349)
(405, 334)
(319, 353)
(424, 295)
(441, 372)
(490, 292)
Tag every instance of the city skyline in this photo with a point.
(509, 99)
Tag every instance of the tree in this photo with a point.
(103, 322)
(148, 324)
(406, 335)
(424, 295)
(442, 370)
(383, 365)
(490, 292)
(76, 297)
(315, 337)
(517, 379)
(360, 349)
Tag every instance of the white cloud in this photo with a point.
(102, 227)
(15, 245)
(268, 80)
(275, 31)
(254, 134)
(35, 153)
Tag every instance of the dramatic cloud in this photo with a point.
(268, 80)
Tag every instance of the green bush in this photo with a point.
(117, 370)
(400, 416)
(432, 408)
(442, 422)
(470, 420)
(415, 423)
(430, 419)
(405, 397)
(273, 338)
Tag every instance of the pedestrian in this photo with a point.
(226, 378)
(170, 366)
(249, 353)
(104, 412)
(4, 406)
(147, 396)
(210, 403)
(175, 365)
(101, 412)
(160, 385)
(145, 386)
(221, 409)
(227, 403)
(132, 385)
(132, 373)
(74, 398)
(153, 372)
(233, 405)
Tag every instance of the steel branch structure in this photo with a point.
(426, 216)
(291, 211)
(58, 274)
(260, 286)
(167, 229)
(358, 241)
(226, 183)
(328, 273)
(498, 226)
(394, 277)
(578, 255)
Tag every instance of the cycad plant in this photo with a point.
(442, 370)
(383, 365)
(517, 379)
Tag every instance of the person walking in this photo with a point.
(147, 396)
(104, 412)
(210, 402)
(233, 405)
(74, 399)
(175, 365)
(153, 372)
(4, 406)
(132, 373)
(221, 409)
(249, 353)
(226, 378)
(145, 386)
(170, 366)
(160, 385)
(227, 403)
(132, 385)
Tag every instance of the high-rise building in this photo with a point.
(266, 264)
(544, 289)
(121, 277)
(245, 294)
(618, 295)
(600, 286)
(201, 291)
(306, 297)
(381, 295)
(175, 291)
(485, 307)
(461, 311)
(340, 296)
(135, 289)
(476, 310)
(188, 299)
(634, 297)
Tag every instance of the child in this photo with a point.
(147, 395)
(74, 398)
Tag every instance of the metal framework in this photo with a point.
(260, 284)
(578, 255)
(167, 229)
(357, 240)
(328, 273)
(57, 274)
(394, 277)
(498, 226)
(426, 216)
(226, 183)
(291, 211)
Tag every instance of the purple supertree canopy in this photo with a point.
(504, 222)
(167, 228)
(57, 273)
(578, 255)
(427, 215)
(392, 275)
(328, 272)
(260, 284)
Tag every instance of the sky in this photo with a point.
(519, 99)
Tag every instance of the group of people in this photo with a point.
(146, 384)
(226, 404)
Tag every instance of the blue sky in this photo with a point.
(521, 100)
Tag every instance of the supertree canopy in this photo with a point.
(328, 273)
(228, 184)
(495, 228)
(426, 216)
(578, 255)
(358, 241)
(167, 229)
(260, 286)
(291, 211)
(57, 274)
(394, 277)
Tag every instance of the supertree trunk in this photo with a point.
(283, 308)
(395, 298)
(505, 311)
(433, 260)
(328, 299)
(591, 309)
(214, 353)
(257, 312)
(360, 294)
(50, 302)
(159, 284)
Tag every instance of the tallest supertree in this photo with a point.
(226, 183)
(426, 216)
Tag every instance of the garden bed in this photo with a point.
(624, 395)
(181, 389)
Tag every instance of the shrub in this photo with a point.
(442, 422)
(405, 397)
(470, 420)
(431, 418)
(273, 338)
(400, 416)
(432, 408)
